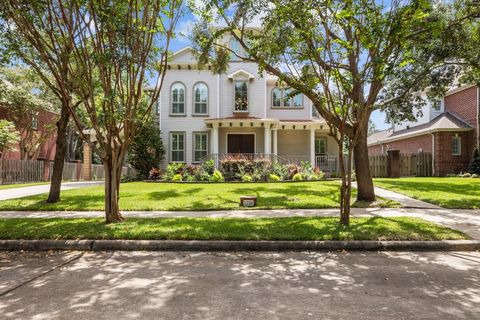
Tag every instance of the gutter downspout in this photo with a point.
(433, 153)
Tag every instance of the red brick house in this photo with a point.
(42, 124)
(448, 129)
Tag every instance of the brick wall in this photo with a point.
(46, 149)
(445, 162)
(408, 146)
(464, 104)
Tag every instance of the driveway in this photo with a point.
(13, 193)
(207, 286)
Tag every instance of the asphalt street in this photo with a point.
(290, 285)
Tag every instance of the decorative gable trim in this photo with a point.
(241, 74)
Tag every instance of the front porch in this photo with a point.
(284, 141)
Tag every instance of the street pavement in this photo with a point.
(289, 285)
(6, 194)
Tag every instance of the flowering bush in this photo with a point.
(154, 174)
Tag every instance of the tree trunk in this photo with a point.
(113, 172)
(345, 187)
(362, 170)
(57, 173)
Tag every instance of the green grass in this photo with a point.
(20, 185)
(462, 193)
(295, 228)
(193, 196)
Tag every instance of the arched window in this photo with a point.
(200, 98)
(276, 97)
(236, 47)
(178, 98)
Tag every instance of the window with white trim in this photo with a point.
(177, 146)
(282, 98)
(240, 96)
(200, 146)
(456, 145)
(200, 98)
(178, 98)
(35, 121)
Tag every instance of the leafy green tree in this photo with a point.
(23, 96)
(337, 53)
(8, 136)
(30, 34)
(146, 150)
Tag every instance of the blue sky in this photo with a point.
(184, 27)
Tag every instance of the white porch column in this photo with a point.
(275, 142)
(214, 143)
(312, 147)
(268, 140)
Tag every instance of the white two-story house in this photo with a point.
(204, 115)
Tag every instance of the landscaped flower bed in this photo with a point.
(238, 168)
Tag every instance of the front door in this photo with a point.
(241, 143)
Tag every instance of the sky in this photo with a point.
(184, 27)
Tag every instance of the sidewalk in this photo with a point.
(13, 193)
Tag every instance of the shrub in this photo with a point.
(217, 176)
(293, 169)
(208, 166)
(173, 169)
(234, 167)
(306, 169)
(154, 174)
(146, 150)
(272, 177)
(247, 178)
(280, 170)
(177, 177)
(318, 175)
(474, 166)
(297, 177)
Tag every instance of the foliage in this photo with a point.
(8, 136)
(208, 166)
(474, 167)
(24, 95)
(273, 177)
(217, 176)
(146, 150)
(247, 178)
(155, 174)
(177, 177)
(280, 170)
(173, 169)
(297, 177)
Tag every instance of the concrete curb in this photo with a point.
(230, 246)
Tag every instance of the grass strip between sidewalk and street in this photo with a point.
(291, 228)
(21, 185)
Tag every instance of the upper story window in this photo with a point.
(456, 145)
(241, 96)
(200, 98)
(236, 47)
(178, 98)
(281, 98)
(437, 105)
(35, 121)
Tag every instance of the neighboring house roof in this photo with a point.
(444, 122)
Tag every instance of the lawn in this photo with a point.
(193, 196)
(295, 228)
(462, 193)
(20, 185)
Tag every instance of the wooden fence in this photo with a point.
(24, 171)
(411, 165)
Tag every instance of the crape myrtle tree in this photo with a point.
(32, 34)
(117, 46)
(348, 47)
(8, 136)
